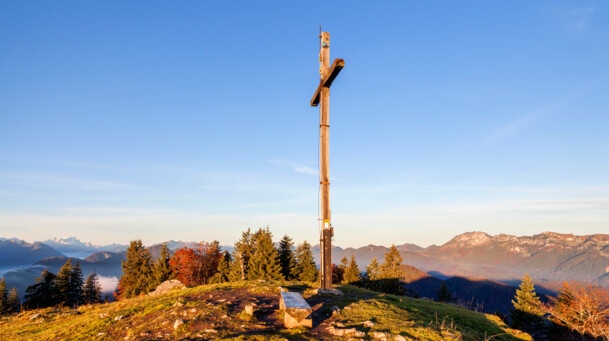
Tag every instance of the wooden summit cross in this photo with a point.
(322, 96)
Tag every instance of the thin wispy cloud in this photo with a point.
(575, 18)
(233, 187)
(522, 123)
(513, 128)
(44, 180)
(227, 181)
(498, 189)
(152, 225)
(116, 210)
(541, 206)
(299, 168)
(241, 184)
(70, 164)
(420, 224)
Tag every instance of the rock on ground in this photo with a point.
(320, 291)
(178, 323)
(369, 324)
(379, 335)
(346, 332)
(166, 286)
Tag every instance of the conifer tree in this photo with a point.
(305, 265)
(224, 268)
(234, 274)
(75, 286)
(211, 258)
(344, 263)
(13, 300)
(527, 306)
(62, 283)
(352, 273)
(244, 250)
(444, 294)
(92, 290)
(42, 293)
(372, 270)
(391, 266)
(264, 264)
(137, 271)
(4, 307)
(161, 270)
(286, 258)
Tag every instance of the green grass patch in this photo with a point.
(153, 317)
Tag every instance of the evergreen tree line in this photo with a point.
(348, 271)
(142, 273)
(389, 269)
(255, 257)
(385, 277)
(9, 300)
(66, 288)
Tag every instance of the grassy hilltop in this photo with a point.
(216, 312)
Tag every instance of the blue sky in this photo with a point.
(191, 121)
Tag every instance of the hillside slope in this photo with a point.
(475, 293)
(216, 311)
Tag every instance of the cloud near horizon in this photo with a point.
(417, 224)
(108, 284)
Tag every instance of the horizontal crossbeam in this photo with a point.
(335, 68)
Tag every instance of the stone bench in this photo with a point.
(297, 312)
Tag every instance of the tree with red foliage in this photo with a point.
(337, 274)
(118, 292)
(196, 266)
(210, 255)
(583, 309)
(184, 265)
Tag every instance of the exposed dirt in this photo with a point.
(266, 313)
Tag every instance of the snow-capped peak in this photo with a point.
(73, 241)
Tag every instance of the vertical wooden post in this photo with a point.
(324, 133)
(322, 98)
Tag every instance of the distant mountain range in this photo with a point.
(73, 247)
(472, 264)
(546, 257)
(22, 262)
(16, 253)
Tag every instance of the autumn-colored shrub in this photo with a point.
(196, 266)
(581, 308)
(337, 274)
